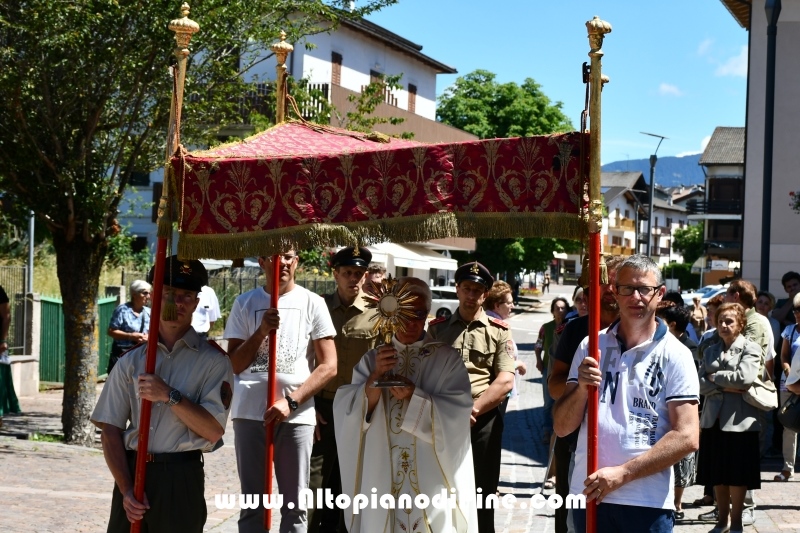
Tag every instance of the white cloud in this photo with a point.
(666, 89)
(734, 66)
(704, 47)
(703, 144)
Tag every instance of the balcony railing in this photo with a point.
(714, 207)
(660, 251)
(620, 250)
(621, 223)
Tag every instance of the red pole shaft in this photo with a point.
(594, 328)
(269, 449)
(149, 368)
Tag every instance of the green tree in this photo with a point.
(689, 242)
(361, 117)
(478, 104)
(85, 103)
(509, 257)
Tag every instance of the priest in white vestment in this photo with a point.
(412, 440)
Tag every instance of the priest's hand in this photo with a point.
(405, 392)
(385, 361)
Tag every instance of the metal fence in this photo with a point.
(229, 284)
(52, 350)
(14, 281)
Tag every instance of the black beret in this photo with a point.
(475, 272)
(350, 256)
(186, 275)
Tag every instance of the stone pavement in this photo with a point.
(48, 487)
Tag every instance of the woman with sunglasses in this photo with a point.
(791, 343)
(130, 322)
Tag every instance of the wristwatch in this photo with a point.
(293, 405)
(175, 397)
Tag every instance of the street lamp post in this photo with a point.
(653, 160)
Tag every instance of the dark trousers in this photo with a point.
(325, 473)
(612, 517)
(175, 494)
(487, 443)
(562, 456)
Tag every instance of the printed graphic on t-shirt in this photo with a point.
(288, 343)
(642, 394)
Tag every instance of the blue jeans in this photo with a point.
(612, 518)
(547, 420)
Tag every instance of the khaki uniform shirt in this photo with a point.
(354, 337)
(198, 370)
(484, 345)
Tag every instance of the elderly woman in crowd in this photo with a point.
(765, 303)
(789, 367)
(130, 322)
(729, 440)
(498, 304)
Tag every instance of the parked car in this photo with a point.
(704, 300)
(444, 301)
(688, 296)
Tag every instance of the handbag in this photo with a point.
(789, 413)
(762, 395)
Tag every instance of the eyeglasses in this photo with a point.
(184, 297)
(643, 290)
(285, 258)
(419, 314)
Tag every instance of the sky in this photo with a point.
(678, 68)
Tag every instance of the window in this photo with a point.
(336, 68)
(139, 179)
(139, 244)
(627, 213)
(616, 241)
(412, 98)
(375, 76)
(157, 188)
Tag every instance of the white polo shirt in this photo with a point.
(638, 384)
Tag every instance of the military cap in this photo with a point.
(351, 256)
(186, 275)
(475, 272)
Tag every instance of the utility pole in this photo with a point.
(651, 209)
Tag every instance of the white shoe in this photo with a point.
(748, 518)
(4, 359)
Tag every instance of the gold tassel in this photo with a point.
(164, 222)
(583, 280)
(169, 311)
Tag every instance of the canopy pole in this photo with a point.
(597, 29)
(281, 50)
(269, 449)
(184, 28)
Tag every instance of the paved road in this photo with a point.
(46, 487)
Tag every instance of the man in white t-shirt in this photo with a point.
(207, 312)
(306, 361)
(647, 414)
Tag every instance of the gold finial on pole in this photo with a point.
(597, 29)
(282, 50)
(184, 28)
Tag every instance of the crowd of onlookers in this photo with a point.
(741, 340)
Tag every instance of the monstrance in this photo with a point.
(393, 302)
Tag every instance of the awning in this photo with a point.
(411, 256)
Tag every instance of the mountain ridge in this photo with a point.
(671, 171)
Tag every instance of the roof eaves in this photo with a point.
(397, 42)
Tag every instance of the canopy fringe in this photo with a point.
(406, 229)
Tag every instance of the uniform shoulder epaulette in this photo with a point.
(437, 320)
(498, 322)
(214, 344)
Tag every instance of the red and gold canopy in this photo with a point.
(300, 184)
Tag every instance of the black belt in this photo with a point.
(193, 456)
